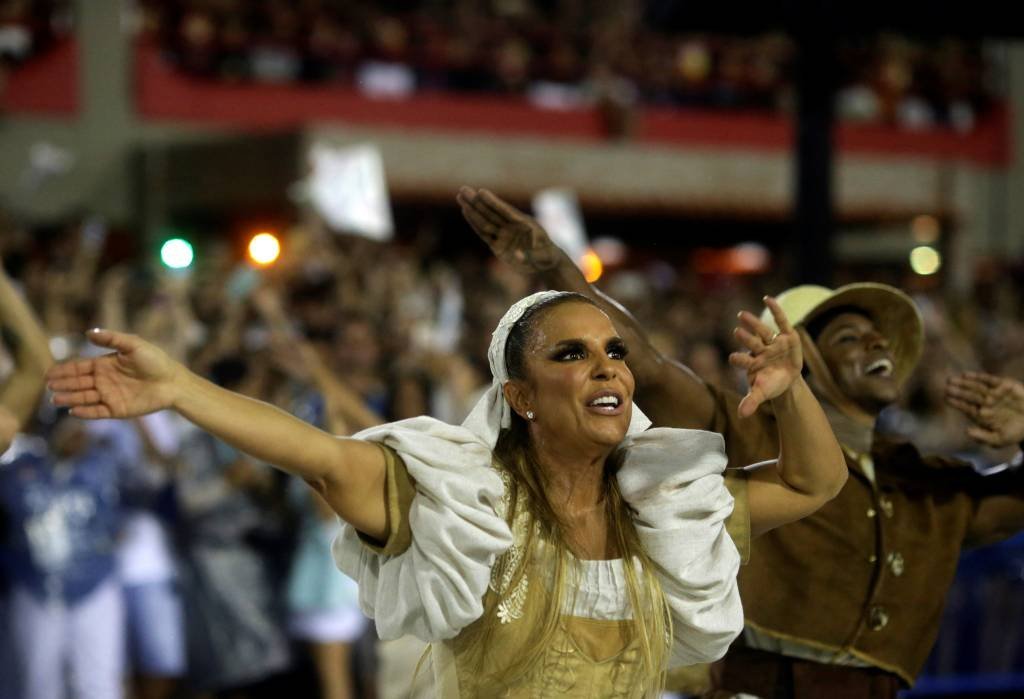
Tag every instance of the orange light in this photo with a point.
(592, 266)
(264, 249)
(925, 229)
(745, 258)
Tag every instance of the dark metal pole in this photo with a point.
(811, 240)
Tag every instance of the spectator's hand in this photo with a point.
(515, 238)
(268, 302)
(136, 379)
(246, 474)
(995, 404)
(8, 428)
(115, 280)
(774, 360)
(174, 285)
(295, 358)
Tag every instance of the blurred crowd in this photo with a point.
(559, 55)
(29, 27)
(568, 54)
(214, 571)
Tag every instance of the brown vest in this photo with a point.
(868, 573)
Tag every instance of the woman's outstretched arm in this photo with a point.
(139, 378)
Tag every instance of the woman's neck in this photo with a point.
(574, 478)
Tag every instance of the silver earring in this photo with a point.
(529, 415)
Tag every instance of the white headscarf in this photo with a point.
(492, 412)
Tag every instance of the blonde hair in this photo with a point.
(546, 549)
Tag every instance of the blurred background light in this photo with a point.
(592, 266)
(264, 249)
(176, 253)
(925, 229)
(745, 258)
(612, 251)
(925, 260)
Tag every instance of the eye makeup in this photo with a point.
(569, 350)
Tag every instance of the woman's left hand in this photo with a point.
(774, 360)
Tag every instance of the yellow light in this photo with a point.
(264, 249)
(592, 266)
(925, 260)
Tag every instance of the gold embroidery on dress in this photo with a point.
(510, 604)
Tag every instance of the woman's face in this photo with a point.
(578, 385)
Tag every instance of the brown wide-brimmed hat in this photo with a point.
(892, 312)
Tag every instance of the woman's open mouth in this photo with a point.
(606, 403)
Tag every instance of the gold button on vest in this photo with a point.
(886, 504)
(878, 618)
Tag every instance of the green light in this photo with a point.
(176, 253)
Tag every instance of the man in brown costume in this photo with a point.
(845, 602)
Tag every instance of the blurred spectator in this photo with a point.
(66, 615)
(21, 374)
(147, 567)
(231, 541)
(323, 606)
(29, 27)
(323, 609)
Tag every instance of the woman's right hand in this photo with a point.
(136, 379)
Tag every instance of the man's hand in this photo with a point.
(515, 238)
(136, 379)
(995, 404)
(774, 360)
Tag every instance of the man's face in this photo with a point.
(860, 361)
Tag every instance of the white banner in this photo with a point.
(348, 189)
(559, 212)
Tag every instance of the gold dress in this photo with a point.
(424, 576)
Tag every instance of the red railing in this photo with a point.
(164, 93)
(45, 84)
(48, 85)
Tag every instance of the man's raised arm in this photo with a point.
(669, 392)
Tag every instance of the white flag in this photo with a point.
(559, 213)
(348, 189)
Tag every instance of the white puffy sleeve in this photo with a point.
(673, 479)
(433, 585)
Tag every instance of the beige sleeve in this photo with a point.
(399, 491)
(738, 524)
